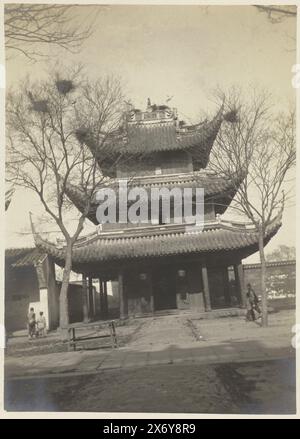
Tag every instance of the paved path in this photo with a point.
(171, 340)
(158, 332)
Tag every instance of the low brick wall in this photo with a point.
(281, 278)
(21, 289)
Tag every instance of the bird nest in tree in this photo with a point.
(231, 116)
(64, 86)
(40, 106)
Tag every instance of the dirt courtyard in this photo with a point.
(159, 332)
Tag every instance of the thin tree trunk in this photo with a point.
(63, 298)
(264, 296)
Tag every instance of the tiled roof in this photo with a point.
(140, 140)
(166, 136)
(22, 257)
(159, 241)
(150, 138)
(213, 185)
(13, 253)
(271, 264)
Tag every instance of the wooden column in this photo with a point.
(91, 297)
(101, 297)
(96, 302)
(105, 299)
(85, 299)
(151, 291)
(226, 287)
(122, 298)
(206, 288)
(239, 278)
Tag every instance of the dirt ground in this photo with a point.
(158, 332)
(19, 345)
(252, 387)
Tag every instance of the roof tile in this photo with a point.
(105, 248)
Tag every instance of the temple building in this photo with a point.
(163, 265)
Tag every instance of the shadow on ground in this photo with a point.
(180, 385)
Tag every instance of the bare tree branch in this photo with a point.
(44, 153)
(277, 14)
(28, 27)
(260, 146)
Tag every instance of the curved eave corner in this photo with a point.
(220, 190)
(105, 249)
(77, 197)
(197, 140)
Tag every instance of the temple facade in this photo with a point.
(162, 265)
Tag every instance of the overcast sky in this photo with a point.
(179, 51)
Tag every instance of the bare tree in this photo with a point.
(260, 146)
(28, 27)
(45, 155)
(278, 13)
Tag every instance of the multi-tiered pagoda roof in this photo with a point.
(145, 135)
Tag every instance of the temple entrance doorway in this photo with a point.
(223, 288)
(164, 288)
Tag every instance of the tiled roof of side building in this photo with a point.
(24, 257)
(16, 252)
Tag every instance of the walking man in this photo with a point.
(252, 304)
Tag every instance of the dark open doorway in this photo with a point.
(164, 288)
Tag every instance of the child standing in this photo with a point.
(41, 325)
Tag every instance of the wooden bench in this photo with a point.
(73, 339)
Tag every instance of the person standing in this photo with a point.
(41, 325)
(31, 323)
(252, 303)
(250, 316)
